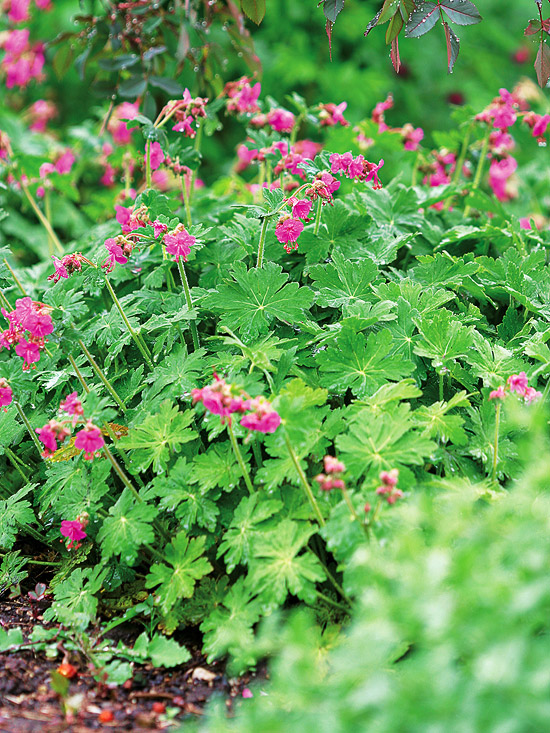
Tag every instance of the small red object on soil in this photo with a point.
(106, 716)
(67, 670)
(159, 707)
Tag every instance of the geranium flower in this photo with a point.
(90, 440)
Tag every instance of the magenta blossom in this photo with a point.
(28, 351)
(116, 254)
(412, 137)
(74, 532)
(156, 156)
(6, 395)
(263, 418)
(498, 394)
(179, 242)
(281, 120)
(518, 383)
(499, 174)
(221, 398)
(72, 405)
(65, 162)
(89, 439)
(287, 231)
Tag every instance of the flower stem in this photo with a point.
(187, 292)
(29, 427)
(479, 170)
(102, 376)
(148, 179)
(12, 458)
(198, 141)
(304, 482)
(347, 499)
(261, 245)
(318, 216)
(497, 430)
(186, 201)
(239, 457)
(139, 343)
(329, 600)
(48, 212)
(15, 278)
(441, 377)
(5, 301)
(41, 218)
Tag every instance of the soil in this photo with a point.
(28, 704)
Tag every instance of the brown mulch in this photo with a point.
(28, 704)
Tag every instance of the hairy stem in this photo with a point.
(148, 178)
(495, 451)
(138, 342)
(261, 245)
(95, 366)
(188, 300)
(239, 457)
(305, 483)
(41, 218)
(30, 430)
(318, 216)
(479, 170)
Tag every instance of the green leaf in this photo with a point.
(254, 9)
(249, 519)
(157, 436)
(115, 63)
(186, 565)
(11, 570)
(15, 513)
(332, 8)
(343, 282)
(443, 339)
(361, 364)
(461, 12)
(216, 467)
(257, 297)
(75, 603)
(382, 442)
(228, 628)
(422, 20)
(279, 567)
(133, 87)
(165, 652)
(127, 528)
(170, 86)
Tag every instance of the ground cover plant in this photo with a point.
(316, 382)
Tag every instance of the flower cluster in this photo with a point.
(122, 135)
(332, 114)
(357, 167)
(178, 242)
(22, 61)
(242, 98)
(388, 487)
(67, 266)
(331, 478)
(223, 399)
(279, 119)
(519, 384)
(6, 394)
(40, 113)
(29, 324)
(74, 530)
(18, 10)
(186, 111)
(62, 165)
(89, 439)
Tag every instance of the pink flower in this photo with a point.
(263, 419)
(378, 113)
(60, 270)
(89, 439)
(333, 465)
(247, 693)
(45, 169)
(220, 398)
(156, 156)
(340, 162)
(6, 394)
(117, 127)
(539, 128)
(74, 532)
(72, 405)
(412, 137)
(65, 162)
(331, 114)
(159, 228)
(184, 126)
(161, 179)
(518, 383)
(16, 41)
(179, 243)
(123, 214)
(43, 4)
(108, 178)
(498, 394)
(372, 174)
(389, 478)
(287, 232)
(301, 208)
(499, 173)
(116, 254)
(245, 157)
(531, 395)
(280, 120)
(48, 437)
(242, 98)
(19, 11)
(28, 351)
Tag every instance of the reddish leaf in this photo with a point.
(422, 20)
(396, 61)
(406, 7)
(542, 64)
(328, 29)
(533, 27)
(389, 9)
(461, 12)
(332, 8)
(372, 23)
(453, 46)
